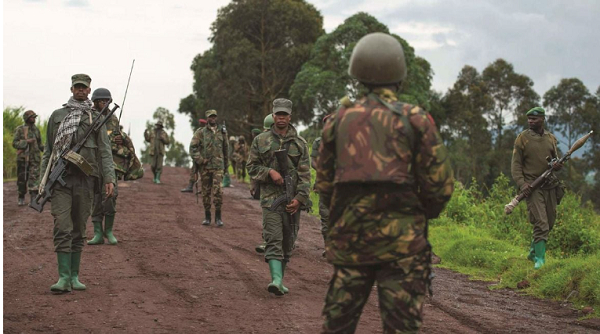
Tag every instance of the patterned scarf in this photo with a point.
(69, 125)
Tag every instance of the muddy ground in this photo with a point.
(169, 274)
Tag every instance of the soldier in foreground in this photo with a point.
(209, 149)
(531, 148)
(254, 185)
(157, 139)
(28, 143)
(280, 223)
(72, 202)
(383, 171)
(194, 169)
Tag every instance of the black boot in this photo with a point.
(189, 188)
(218, 220)
(207, 218)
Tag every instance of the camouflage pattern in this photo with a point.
(157, 138)
(240, 156)
(401, 288)
(279, 239)
(127, 164)
(211, 185)
(323, 210)
(528, 163)
(34, 155)
(371, 160)
(194, 172)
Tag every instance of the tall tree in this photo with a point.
(176, 154)
(258, 48)
(324, 79)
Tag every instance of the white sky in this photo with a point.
(46, 41)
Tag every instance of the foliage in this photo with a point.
(175, 154)
(258, 48)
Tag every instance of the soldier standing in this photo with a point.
(241, 151)
(157, 139)
(72, 202)
(194, 169)
(383, 172)
(532, 146)
(254, 185)
(281, 223)
(28, 142)
(209, 149)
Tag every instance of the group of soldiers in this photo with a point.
(382, 173)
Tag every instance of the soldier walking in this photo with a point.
(241, 155)
(157, 139)
(210, 150)
(383, 171)
(194, 170)
(280, 223)
(28, 143)
(531, 148)
(72, 202)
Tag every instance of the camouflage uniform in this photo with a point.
(323, 210)
(30, 178)
(280, 240)
(209, 149)
(157, 138)
(102, 205)
(383, 173)
(240, 156)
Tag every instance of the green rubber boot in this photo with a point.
(158, 177)
(540, 254)
(75, 262)
(109, 221)
(98, 238)
(154, 179)
(531, 256)
(283, 265)
(276, 274)
(64, 273)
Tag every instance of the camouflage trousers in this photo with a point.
(212, 180)
(27, 180)
(193, 173)
(104, 206)
(541, 205)
(324, 213)
(240, 170)
(157, 163)
(279, 233)
(71, 208)
(401, 288)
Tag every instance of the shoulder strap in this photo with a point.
(396, 108)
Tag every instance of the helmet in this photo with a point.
(378, 58)
(101, 93)
(28, 114)
(268, 122)
(231, 138)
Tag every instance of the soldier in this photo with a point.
(194, 169)
(241, 153)
(383, 172)
(532, 146)
(254, 187)
(28, 142)
(232, 144)
(209, 149)
(157, 139)
(281, 223)
(72, 202)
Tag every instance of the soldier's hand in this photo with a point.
(110, 189)
(276, 177)
(119, 140)
(526, 189)
(31, 140)
(557, 166)
(293, 206)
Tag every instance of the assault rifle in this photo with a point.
(290, 189)
(72, 155)
(508, 208)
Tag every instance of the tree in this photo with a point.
(258, 48)
(324, 78)
(175, 154)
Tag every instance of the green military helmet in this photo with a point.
(28, 114)
(268, 122)
(378, 59)
(101, 93)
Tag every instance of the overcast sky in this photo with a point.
(46, 41)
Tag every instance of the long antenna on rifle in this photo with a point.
(126, 89)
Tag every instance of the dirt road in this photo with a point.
(169, 274)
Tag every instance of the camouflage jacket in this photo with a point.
(209, 148)
(96, 149)
(126, 164)
(262, 159)
(383, 170)
(20, 143)
(314, 154)
(157, 138)
(241, 152)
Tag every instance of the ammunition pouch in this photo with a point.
(79, 161)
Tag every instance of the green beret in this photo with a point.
(537, 111)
